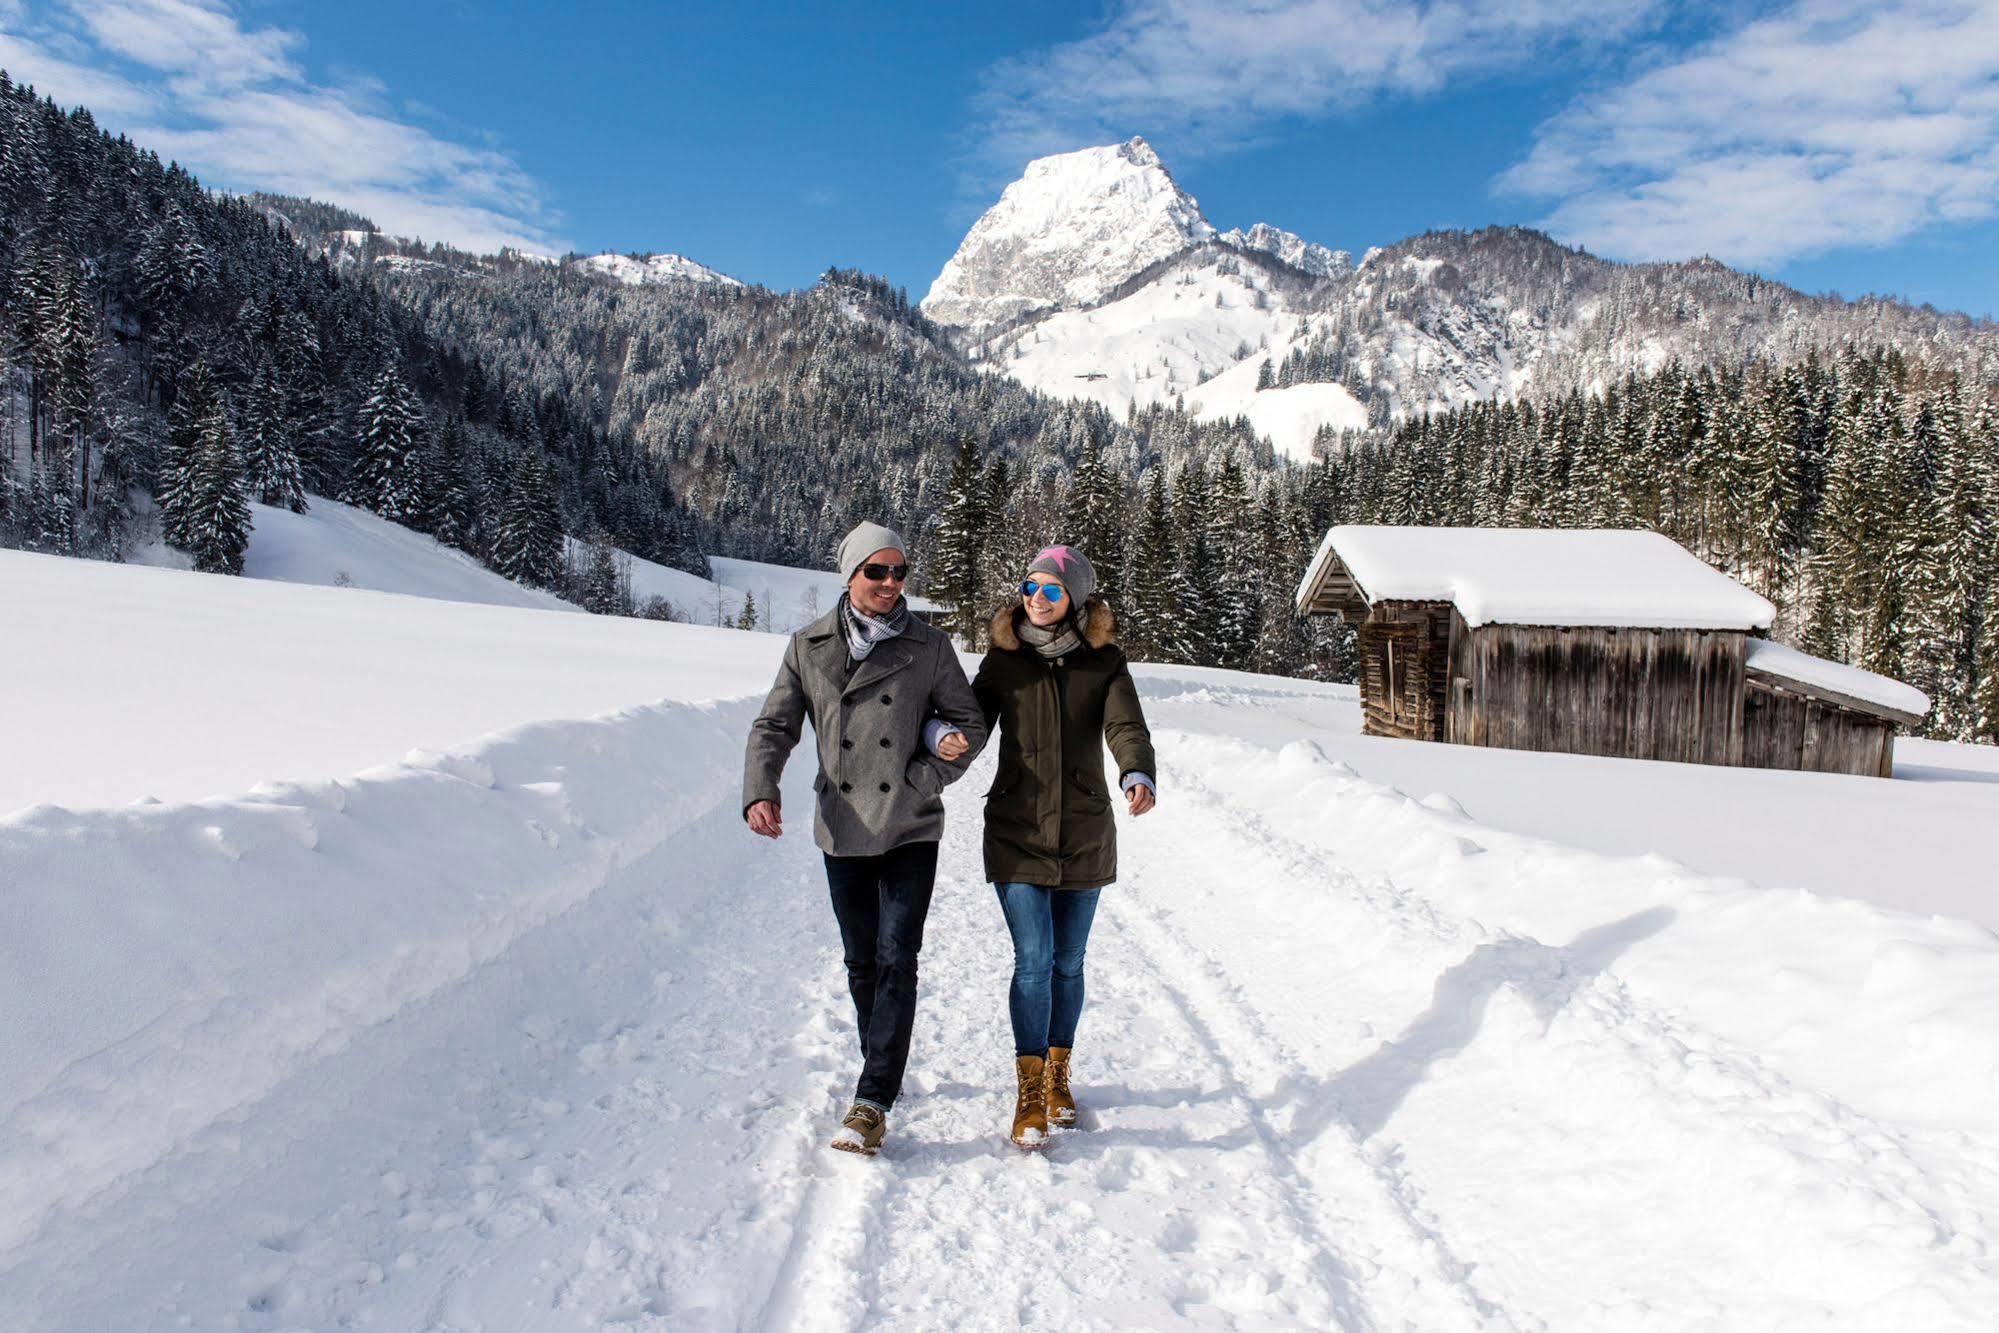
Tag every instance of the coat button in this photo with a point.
(846, 786)
(846, 745)
(886, 742)
(884, 786)
(886, 698)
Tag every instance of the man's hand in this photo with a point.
(1139, 798)
(764, 819)
(952, 746)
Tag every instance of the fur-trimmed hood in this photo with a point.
(1099, 624)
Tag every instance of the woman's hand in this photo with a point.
(1138, 799)
(952, 746)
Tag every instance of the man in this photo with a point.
(870, 675)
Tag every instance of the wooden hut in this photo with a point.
(1615, 643)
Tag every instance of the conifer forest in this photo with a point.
(173, 354)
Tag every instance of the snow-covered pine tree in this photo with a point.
(1151, 622)
(957, 545)
(450, 514)
(218, 505)
(276, 476)
(598, 585)
(528, 546)
(1948, 542)
(1003, 553)
(1197, 578)
(1233, 587)
(173, 264)
(195, 399)
(388, 473)
(1095, 520)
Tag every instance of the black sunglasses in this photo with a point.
(875, 573)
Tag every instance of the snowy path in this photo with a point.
(1377, 1069)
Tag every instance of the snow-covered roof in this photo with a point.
(1844, 684)
(1538, 576)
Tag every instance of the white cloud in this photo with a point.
(188, 79)
(1832, 124)
(1209, 75)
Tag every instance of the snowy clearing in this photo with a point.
(526, 1031)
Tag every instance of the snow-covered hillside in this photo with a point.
(339, 545)
(1095, 276)
(651, 270)
(523, 1029)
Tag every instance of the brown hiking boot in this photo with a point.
(862, 1130)
(1061, 1106)
(1030, 1109)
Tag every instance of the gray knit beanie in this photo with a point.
(1071, 568)
(864, 541)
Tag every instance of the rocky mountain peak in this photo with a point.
(1063, 236)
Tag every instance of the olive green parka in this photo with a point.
(1049, 815)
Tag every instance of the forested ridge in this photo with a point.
(203, 350)
(161, 340)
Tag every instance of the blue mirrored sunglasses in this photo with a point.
(1052, 591)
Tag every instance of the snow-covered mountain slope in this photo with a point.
(1066, 234)
(339, 545)
(651, 270)
(1199, 331)
(527, 1031)
(1431, 322)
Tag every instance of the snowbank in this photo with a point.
(167, 967)
(131, 684)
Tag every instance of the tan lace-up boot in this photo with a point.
(1061, 1106)
(862, 1130)
(1030, 1109)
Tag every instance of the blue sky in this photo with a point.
(1832, 144)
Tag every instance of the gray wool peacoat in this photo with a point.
(878, 787)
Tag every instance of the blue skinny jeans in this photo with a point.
(1051, 929)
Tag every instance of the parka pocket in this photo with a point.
(1090, 793)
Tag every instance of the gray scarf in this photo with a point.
(1057, 641)
(864, 631)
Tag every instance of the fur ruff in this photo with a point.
(1099, 624)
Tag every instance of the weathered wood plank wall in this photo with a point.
(1636, 694)
(1786, 730)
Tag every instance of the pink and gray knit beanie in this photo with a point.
(1071, 568)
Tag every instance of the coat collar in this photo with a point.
(1099, 625)
(826, 643)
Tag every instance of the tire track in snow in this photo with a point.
(1422, 1284)
(1862, 1171)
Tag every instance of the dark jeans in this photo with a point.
(1051, 929)
(881, 902)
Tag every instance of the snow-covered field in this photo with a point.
(522, 1029)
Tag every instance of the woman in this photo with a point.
(1057, 685)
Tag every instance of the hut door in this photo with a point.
(1396, 670)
